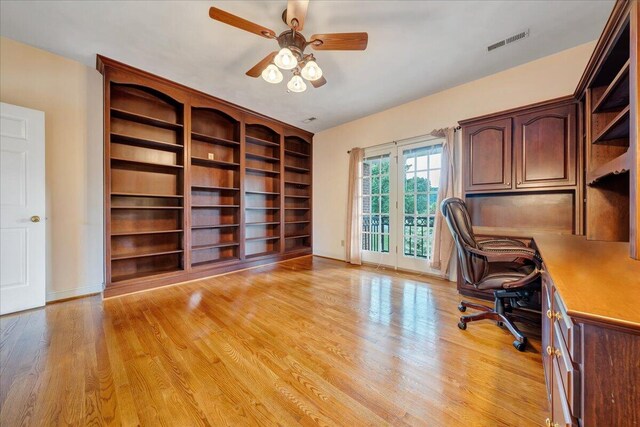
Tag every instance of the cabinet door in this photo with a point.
(545, 145)
(487, 156)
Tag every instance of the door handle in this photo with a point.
(35, 218)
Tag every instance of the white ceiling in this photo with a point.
(416, 48)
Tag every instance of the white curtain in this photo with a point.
(443, 241)
(354, 207)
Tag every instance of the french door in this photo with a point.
(399, 202)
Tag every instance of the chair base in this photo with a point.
(500, 313)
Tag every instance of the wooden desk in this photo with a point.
(590, 331)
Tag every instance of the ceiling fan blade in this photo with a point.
(297, 10)
(320, 82)
(260, 66)
(243, 24)
(340, 41)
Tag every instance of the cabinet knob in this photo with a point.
(547, 422)
(519, 182)
(549, 350)
(557, 315)
(35, 218)
(549, 315)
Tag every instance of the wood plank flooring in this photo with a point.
(305, 342)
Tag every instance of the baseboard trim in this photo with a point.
(329, 257)
(74, 293)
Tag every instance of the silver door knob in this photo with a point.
(35, 218)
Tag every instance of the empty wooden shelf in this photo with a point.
(195, 185)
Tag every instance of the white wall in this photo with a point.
(70, 94)
(546, 78)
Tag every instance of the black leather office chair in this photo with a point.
(507, 266)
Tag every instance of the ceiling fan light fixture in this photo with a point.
(285, 59)
(311, 71)
(272, 74)
(296, 84)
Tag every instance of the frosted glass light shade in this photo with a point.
(296, 84)
(271, 74)
(285, 59)
(311, 71)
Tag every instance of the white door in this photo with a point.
(378, 206)
(22, 209)
(419, 179)
(399, 198)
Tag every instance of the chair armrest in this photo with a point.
(501, 241)
(507, 253)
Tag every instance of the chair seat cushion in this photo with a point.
(500, 272)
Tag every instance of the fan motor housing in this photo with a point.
(294, 41)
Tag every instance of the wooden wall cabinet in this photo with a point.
(530, 147)
(545, 148)
(488, 157)
(196, 186)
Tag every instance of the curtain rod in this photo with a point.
(456, 128)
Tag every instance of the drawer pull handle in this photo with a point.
(553, 351)
(547, 422)
(549, 315)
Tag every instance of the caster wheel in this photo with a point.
(520, 346)
(462, 308)
(462, 325)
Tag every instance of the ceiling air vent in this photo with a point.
(514, 38)
(309, 120)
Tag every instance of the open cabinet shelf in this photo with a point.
(617, 129)
(144, 142)
(617, 93)
(214, 140)
(618, 165)
(143, 119)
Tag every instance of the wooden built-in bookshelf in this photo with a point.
(297, 192)
(607, 136)
(194, 185)
(262, 189)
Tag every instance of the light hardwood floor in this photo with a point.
(306, 342)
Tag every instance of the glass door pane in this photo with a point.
(377, 207)
(419, 173)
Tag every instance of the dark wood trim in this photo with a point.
(530, 108)
(606, 39)
(634, 134)
(153, 282)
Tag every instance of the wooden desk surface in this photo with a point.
(596, 280)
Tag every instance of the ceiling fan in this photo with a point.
(292, 43)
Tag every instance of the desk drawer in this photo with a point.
(569, 331)
(560, 410)
(567, 373)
